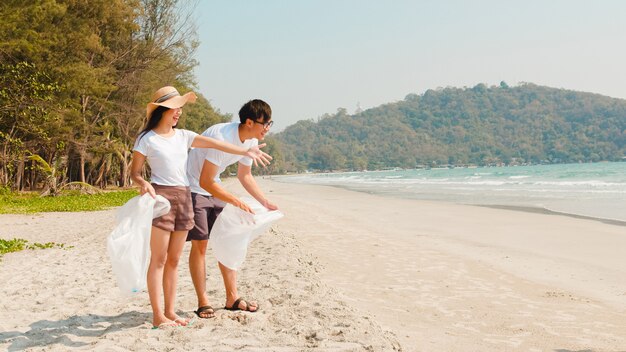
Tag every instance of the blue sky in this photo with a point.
(308, 58)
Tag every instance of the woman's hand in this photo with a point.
(258, 156)
(146, 187)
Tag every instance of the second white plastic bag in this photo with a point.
(128, 245)
(234, 229)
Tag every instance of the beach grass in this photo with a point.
(19, 244)
(69, 201)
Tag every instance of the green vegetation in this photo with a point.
(14, 245)
(459, 126)
(75, 77)
(14, 203)
(18, 244)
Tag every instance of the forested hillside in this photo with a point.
(459, 126)
(75, 77)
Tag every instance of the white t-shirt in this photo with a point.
(167, 156)
(228, 132)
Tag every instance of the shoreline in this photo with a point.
(521, 208)
(545, 211)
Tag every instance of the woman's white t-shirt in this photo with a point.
(167, 156)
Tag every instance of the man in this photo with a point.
(209, 198)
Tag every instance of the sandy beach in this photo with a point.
(343, 271)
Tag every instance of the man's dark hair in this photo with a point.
(254, 110)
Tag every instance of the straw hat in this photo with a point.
(170, 98)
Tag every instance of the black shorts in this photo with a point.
(205, 211)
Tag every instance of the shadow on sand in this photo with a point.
(46, 332)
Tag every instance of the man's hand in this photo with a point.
(269, 205)
(258, 156)
(242, 205)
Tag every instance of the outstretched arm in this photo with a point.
(255, 153)
(244, 174)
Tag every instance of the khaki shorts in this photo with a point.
(180, 216)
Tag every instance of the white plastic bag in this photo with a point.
(234, 229)
(128, 245)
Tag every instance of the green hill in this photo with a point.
(458, 126)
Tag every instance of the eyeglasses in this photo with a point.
(265, 124)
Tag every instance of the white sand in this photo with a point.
(447, 277)
(342, 271)
(60, 299)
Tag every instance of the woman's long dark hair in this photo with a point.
(154, 120)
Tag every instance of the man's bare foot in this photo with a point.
(241, 304)
(205, 312)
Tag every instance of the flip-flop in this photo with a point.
(205, 310)
(166, 325)
(187, 322)
(235, 306)
(190, 321)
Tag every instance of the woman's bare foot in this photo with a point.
(163, 321)
(178, 320)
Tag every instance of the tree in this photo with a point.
(27, 117)
(480, 125)
(82, 72)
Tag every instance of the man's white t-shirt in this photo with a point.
(167, 156)
(228, 132)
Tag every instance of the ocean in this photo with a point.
(596, 190)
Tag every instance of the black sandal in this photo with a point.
(207, 311)
(235, 306)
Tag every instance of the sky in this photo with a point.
(307, 58)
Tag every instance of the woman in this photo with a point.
(166, 148)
